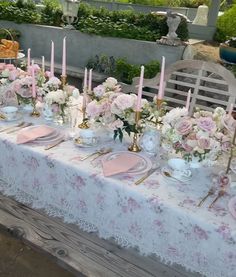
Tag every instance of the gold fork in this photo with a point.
(210, 192)
(220, 194)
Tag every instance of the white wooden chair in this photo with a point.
(211, 85)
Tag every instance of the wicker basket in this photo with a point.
(9, 48)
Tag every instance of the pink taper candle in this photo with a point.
(90, 80)
(85, 87)
(43, 64)
(64, 58)
(28, 58)
(188, 100)
(140, 89)
(231, 108)
(33, 81)
(161, 85)
(52, 60)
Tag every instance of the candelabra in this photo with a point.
(134, 147)
(63, 81)
(35, 112)
(84, 124)
(232, 150)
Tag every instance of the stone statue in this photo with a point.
(173, 22)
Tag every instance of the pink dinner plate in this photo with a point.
(232, 206)
(142, 167)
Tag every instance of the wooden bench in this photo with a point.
(83, 254)
(211, 85)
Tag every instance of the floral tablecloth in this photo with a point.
(157, 216)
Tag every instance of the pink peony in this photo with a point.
(123, 102)
(93, 109)
(204, 143)
(116, 124)
(187, 147)
(183, 127)
(226, 145)
(13, 75)
(206, 124)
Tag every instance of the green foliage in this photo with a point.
(226, 25)
(4, 33)
(51, 14)
(19, 12)
(121, 69)
(124, 24)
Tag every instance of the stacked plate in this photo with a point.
(54, 136)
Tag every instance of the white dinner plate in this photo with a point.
(142, 167)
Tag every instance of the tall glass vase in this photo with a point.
(150, 141)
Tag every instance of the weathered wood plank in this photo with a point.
(80, 252)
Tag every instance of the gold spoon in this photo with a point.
(98, 152)
(167, 174)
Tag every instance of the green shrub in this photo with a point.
(226, 25)
(124, 24)
(4, 33)
(121, 69)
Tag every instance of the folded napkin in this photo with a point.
(120, 164)
(34, 133)
(232, 206)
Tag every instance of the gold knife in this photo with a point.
(55, 144)
(12, 127)
(149, 173)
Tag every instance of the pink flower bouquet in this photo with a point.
(202, 136)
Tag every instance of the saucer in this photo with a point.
(17, 117)
(79, 142)
(183, 179)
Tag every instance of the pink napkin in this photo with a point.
(33, 133)
(232, 206)
(122, 163)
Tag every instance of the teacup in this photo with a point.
(179, 168)
(88, 137)
(10, 112)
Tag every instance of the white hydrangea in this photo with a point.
(58, 97)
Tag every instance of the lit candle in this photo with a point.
(90, 80)
(33, 81)
(28, 58)
(140, 89)
(64, 58)
(85, 87)
(52, 60)
(231, 109)
(43, 64)
(161, 85)
(188, 100)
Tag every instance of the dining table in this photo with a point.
(160, 216)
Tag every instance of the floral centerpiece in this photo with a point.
(116, 110)
(202, 137)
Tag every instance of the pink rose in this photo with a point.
(187, 147)
(204, 143)
(206, 124)
(226, 145)
(183, 127)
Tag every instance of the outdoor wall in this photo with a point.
(82, 47)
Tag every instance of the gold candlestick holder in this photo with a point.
(63, 81)
(232, 150)
(84, 124)
(35, 112)
(134, 147)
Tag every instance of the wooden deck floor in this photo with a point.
(81, 253)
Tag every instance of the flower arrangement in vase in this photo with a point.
(201, 138)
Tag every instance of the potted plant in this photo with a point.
(228, 50)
